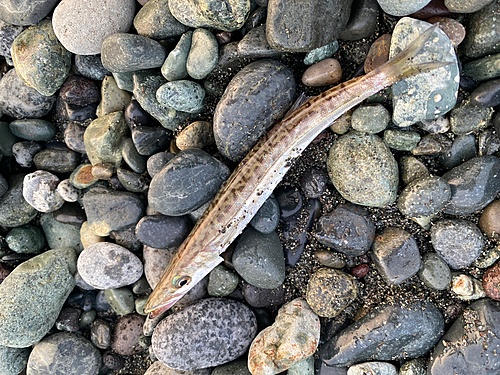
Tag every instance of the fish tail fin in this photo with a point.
(403, 65)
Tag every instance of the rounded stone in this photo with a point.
(401, 140)
(33, 129)
(82, 26)
(57, 161)
(203, 55)
(370, 118)
(363, 169)
(330, 291)
(155, 21)
(162, 232)
(40, 191)
(397, 8)
(458, 242)
(434, 272)
(13, 360)
(425, 196)
(67, 352)
(121, 300)
(174, 67)
(181, 95)
(14, 210)
(222, 282)
(324, 73)
(67, 191)
(412, 169)
(24, 152)
(266, 219)
(106, 265)
(25, 12)
(127, 333)
(82, 177)
(198, 134)
(489, 222)
(80, 91)
(26, 239)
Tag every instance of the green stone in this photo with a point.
(33, 129)
(13, 360)
(124, 81)
(87, 318)
(113, 98)
(434, 272)
(141, 286)
(370, 118)
(14, 210)
(321, 53)
(40, 59)
(174, 67)
(139, 304)
(483, 69)
(60, 235)
(155, 21)
(203, 55)
(401, 140)
(483, 31)
(468, 118)
(26, 239)
(182, 95)
(134, 160)
(222, 282)
(304, 367)
(32, 296)
(104, 138)
(7, 139)
(121, 300)
(82, 177)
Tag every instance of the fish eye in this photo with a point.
(182, 281)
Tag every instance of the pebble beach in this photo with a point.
(377, 253)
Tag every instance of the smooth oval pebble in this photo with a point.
(174, 67)
(155, 21)
(434, 272)
(162, 232)
(424, 197)
(106, 265)
(323, 73)
(181, 95)
(207, 333)
(40, 191)
(203, 55)
(33, 129)
(489, 222)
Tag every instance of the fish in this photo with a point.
(257, 175)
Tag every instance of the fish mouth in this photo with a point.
(160, 308)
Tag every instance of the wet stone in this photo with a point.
(100, 334)
(33, 129)
(60, 235)
(432, 144)
(330, 259)
(313, 182)
(434, 272)
(81, 91)
(131, 156)
(412, 169)
(348, 229)
(458, 242)
(26, 239)
(90, 66)
(468, 118)
(321, 53)
(71, 213)
(120, 300)
(124, 80)
(401, 140)
(254, 45)
(487, 94)
(57, 161)
(68, 352)
(24, 152)
(162, 232)
(155, 21)
(462, 149)
(222, 282)
(437, 125)
(67, 112)
(489, 222)
(483, 31)
(135, 115)
(82, 177)
(203, 55)
(330, 291)
(67, 191)
(423, 197)
(289, 201)
(131, 181)
(14, 210)
(181, 95)
(112, 97)
(267, 217)
(324, 73)
(198, 134)
(157, 161)
(488, 142)
(68, 320)
(39, 190)
(260, 297)
(362, 20)
(378, 53)
(148, 140)
(179, 341)
(174, 67)
(370, 118)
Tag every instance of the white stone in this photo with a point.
(40, 191)
(67, 191)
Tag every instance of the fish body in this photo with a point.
(255, 178)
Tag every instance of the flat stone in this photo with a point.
(25, 12)
(155, 21)
(468, 118)
(57, 161)
(324, 73)
(33, 129)
(162, 232)
(254, 45)
(396, 8)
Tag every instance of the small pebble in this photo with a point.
(39, 190)
(100, 334)
(370, 118)
(24, 152)
(401, 140)
(174, 67)
(491, 282)
(378, 53)
(73, 137)
(69, 319)
(198, 134)
(222, 282)
(467, 288)
(82, 177)
(424, 196)
(121, 300)
(26, 239)
(33, 129)
(181, 95)
(434, 272)
(127, 333)
(489, 222)
(324, 73)
(203, 55)
(90, 66)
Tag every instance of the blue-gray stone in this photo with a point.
(64, 353)
(425, 196)
(434, 272)
(483, 31)
(121, 53)
(44, 281)
(398, 8)
(90, 66)
(163, 232)
(134, 160)
(483, 69)
(13, 360)
(473, 184)
(33, 129)
(150, 140)
(25, 12)
(254, 45)
(26, 239)
(222, 282)
(155, 21)
(386, 333)
(468, 118)
(371, 119)
(207, 333)
(124, 80)
(362, 21)
(321, 53)
(7, 139)
(432, 94)
(188, 181)
(203, 55)
(401, 140)
(60, 235)
(132, 181)
(487, 94)
(8, 33)
(157, 161)
(267, 218)
(14, 210)
(256, 97)
(40, 59)
(181, 95)
(174, 67)
(462, 149)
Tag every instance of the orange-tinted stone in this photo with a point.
(323, 73)
(452, 28)
(489, 222)
(378, 53)
(491, 282)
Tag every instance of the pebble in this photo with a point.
(82, 27)
(488, 142)
(7, 140)
(261, 298)
(491, 282)
(466, 287)
(33, 129)
(293, 337)
(158, 368)
(174, 67)
(375, 368)
(82, 177)
(483, 28)
(67, 191)
(396, 255)
(378, 53)
(321, 53)
(324, 73)
(258, 259)
(18, 100)
(452, 28)
(205, 173)
(25, 12)
(135, 115)
(103, 171)
(90, 66)
(414, 330)
(67, 352)
(222, 282)
(267, 217)
(39, 190)
(473, 185)
(69, 319)
(401, 140)
(210, 13)
(370, 119)
(459, 347)
(14, 210)
(149, 140)
(8, 33)
(162, 232)
(489, 222)
(330, 291)
(155, 21)
(26, 239)
(412, 169)
(155, 263)
(462, 149)
(157, 161)
(237, 367)
(113, 98)
(24, 152)
(424, 197)
(330, 259)
(67, 112)
(181, 95)
(434, 272)
(417, 366)
(254, 45)
(127, 333)
(131, 156)
(482, 69)
(207, 333)
(441, 83)
(313, 182)
(203, 54)
(308, 29)
(437, 125)
(40, 60)
(60, 235)
(432, 144)
(370, 165)
(458, 242)
(468, 118)
(45, 280)
(13, 360)
(57, 161)
(198, 134)
(457, 6)
(362, 21)
(121, 53)
(103, 139)
(109, 210)
(113, 361)
(255, 98)
(120, 300)
(396, 8)
(81, 91)
(131, 181)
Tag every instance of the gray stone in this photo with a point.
(370, 167)
(184, 340)
(188, 181)
(33, 129)
(60, 235)
(254, 100)
(203, 55)
(386, 333)
(82, 26)
(222, 282)
(7, 140)
(433, 93)
(131, 181)
(398, 8)
(371, 119)
(237, 367)
(113, 98)
(13, 360)
(473, 184)
(57, 161)
(321, 53)
(213, 14)
(470, 346)
(157, 161)
(434, 272)
(287, 32)
(106, 265)
(24, 152)
(437, 125)
(65, 353)
(415, 366)
(460, 6)
(174, 67)
(90, 66)
(304, 367)
(468, 118)
(425, 196)
(26, 239)
(121, 300)
(100, 334)
(258, 259)
(121, 53)
(181, 95)
(14, 210)
(254, 45)
(483, 69)
(362, 21)
(134, 160)
(44, 281)
(39, 190)
(158, 368)
(67, 191)
(74, 137)
(155, 21)
(25, 12)
(40, 60)
(458, 242)
(483, 29)
(8, 33)
(267, 217)
(109, 210)
(163, 232)
(462, 149)
(21, 101)
(401, 140)
(148, 140)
